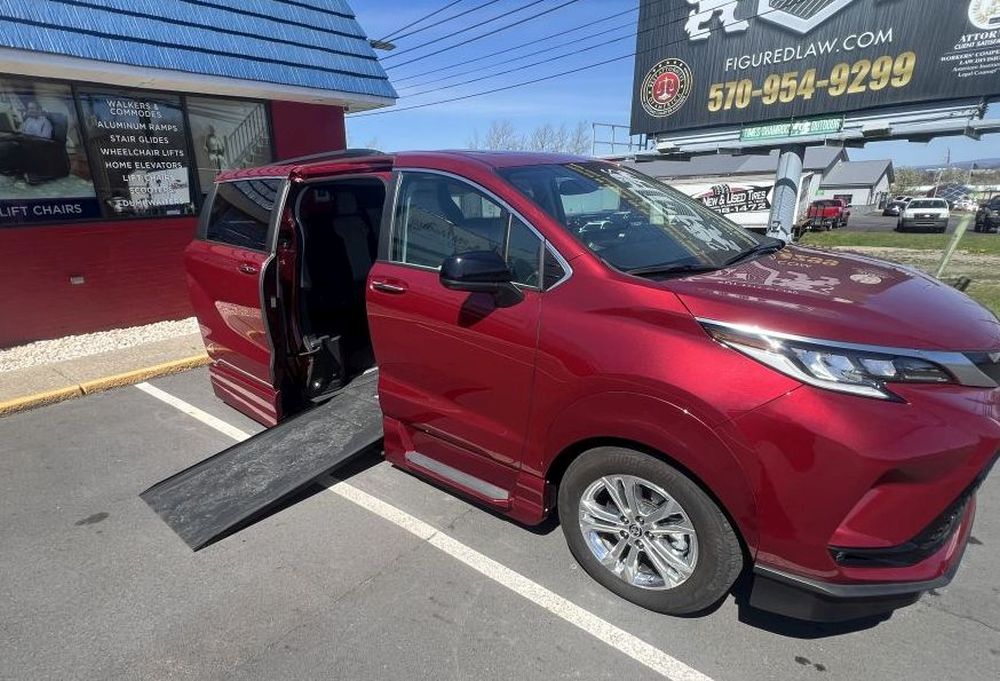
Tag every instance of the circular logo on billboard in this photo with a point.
(666, 87)
(985, 14)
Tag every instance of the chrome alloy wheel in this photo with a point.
(638, 532)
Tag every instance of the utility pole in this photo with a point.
(785, 199)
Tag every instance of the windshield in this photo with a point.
(630, 220)
(928, 204)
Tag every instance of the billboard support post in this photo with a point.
(785, 199)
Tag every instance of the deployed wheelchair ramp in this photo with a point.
(235, 487)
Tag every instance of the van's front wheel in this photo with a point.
(647, 532)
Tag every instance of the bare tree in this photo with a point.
(580, 140)
(542, 138)
(502, 135)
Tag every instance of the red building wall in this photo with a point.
(133, 270)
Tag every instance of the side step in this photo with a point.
(231, 489)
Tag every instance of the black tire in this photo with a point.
(720, 557)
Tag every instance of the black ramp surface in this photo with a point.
(224, 492)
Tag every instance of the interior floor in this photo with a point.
(338, 242)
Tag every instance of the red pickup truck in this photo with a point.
(827, 214)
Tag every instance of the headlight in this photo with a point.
(830, 366)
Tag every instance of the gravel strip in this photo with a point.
(84, 345)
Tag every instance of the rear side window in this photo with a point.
(438, 216)
(241, 213)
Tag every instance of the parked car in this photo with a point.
(896, 206)
(924, 215)
(827, 214)
(966, 205)
(563, 336)
(988, 216)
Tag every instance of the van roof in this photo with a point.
(320, 164)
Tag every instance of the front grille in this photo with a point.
(988, 363)
(928, 542)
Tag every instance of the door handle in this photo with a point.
(388, 287)
(248, 268)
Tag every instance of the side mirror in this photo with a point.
(481, 272)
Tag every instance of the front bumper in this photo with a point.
(869, 503)
(815, 600)
(924, 223)
(807, 599)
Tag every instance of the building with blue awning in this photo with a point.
(116, 115)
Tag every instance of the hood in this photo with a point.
(841, 297)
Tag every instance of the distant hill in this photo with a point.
(981, 163)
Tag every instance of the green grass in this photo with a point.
(971, 242)
(924, 251)
(986, 294)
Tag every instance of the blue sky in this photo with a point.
(601, 95)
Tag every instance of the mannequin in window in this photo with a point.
(215, 148)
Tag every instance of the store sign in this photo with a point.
(734, 62)
(48, 210)
(138, 148)
(726, 199)
(786, 129)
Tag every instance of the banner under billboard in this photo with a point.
(708, 63)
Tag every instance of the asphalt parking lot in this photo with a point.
(380, 577)
(865, 221)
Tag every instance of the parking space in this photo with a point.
(96, 586)
(876, 222)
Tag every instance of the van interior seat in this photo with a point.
(354, 228)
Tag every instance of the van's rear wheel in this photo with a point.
(647, 532)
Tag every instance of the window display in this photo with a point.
(138, 150)
(227, 133)
(44, 174)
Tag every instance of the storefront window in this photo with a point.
(227, 134)
(44, 174)
(115, 153)
(138, 150)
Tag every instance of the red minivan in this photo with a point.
(563, 334)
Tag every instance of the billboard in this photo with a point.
(708, 63)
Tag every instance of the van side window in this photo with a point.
(437, 217)
(241, 213)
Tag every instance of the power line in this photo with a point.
(466, 28)
(396, 34)
(479, 69)
(507, 50)
(482, 35)
(520, 68)
(542, 79)
(634, 34)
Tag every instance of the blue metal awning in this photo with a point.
(314, 44)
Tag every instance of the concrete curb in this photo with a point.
(104, 383)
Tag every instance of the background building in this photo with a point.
(115, 117)
(742, 187)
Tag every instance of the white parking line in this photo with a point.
(194, 412)
(640, 651)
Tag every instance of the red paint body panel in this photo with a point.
(225, 287)
(843, 297)
(505, 395)
(454, 369)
